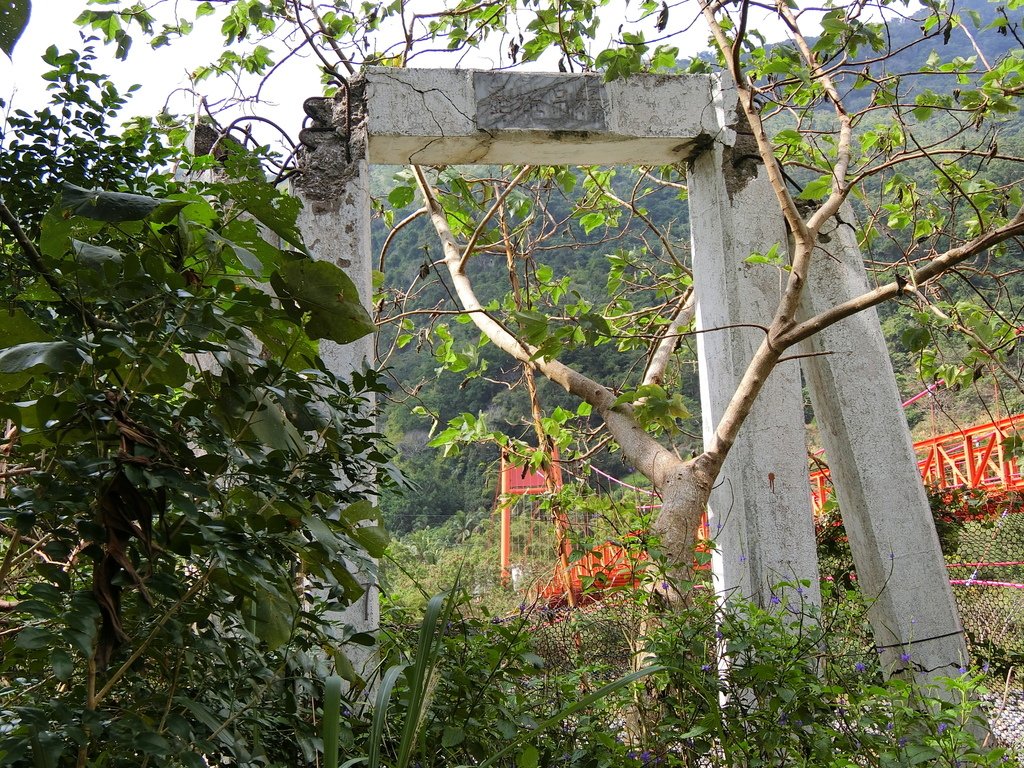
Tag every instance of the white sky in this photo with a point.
(162, 71)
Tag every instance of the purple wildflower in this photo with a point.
(860, 666)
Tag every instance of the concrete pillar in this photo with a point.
(760, 511)
(896, 551)
(334, 187)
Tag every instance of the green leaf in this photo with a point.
(54, 232)
(111, 207)
(332, 720)
(287, 343)
(63, 666)
(817, 189)
(915, 338)
(592, 221)
(273, 619)
(528, 758)
(95, 256)
(452, 736)
(152, 743)
(534, 324)
(274, 210)
(327, 297)
(33, 638)
(22, 358)
(359, 511)
(13, 20)
(399, 197)
(271, 427)
(372, 538)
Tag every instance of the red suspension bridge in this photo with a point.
(977, 457)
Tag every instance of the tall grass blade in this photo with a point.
(332, 720)
(380, 712)
(428, 652)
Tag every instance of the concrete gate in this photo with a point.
(760, 513)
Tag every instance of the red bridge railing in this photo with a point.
(975, 457)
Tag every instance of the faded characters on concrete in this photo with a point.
(540, 102)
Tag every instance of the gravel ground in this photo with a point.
(1007, 719)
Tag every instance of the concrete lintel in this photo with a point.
(760, 511)
(896, 551)
(451, 117)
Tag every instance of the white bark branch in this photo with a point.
(645, 453)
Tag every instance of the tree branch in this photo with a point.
(937, 266)
(645, 453)
(662, 353)
(471, 245)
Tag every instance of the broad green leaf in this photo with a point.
(111, 207)
(373, 539)
(534, 324)
(95, 255)
(63, 667)
(273, 619)
(275, 211)
(359, 511)
(17, 328)
(592, 221)
(817, 189)
(916, 338)
(528, 758)
(399, 197)
(23, 358)
(33, 638)
(168, 210)
(287, 343)
(322, 532)
(270, 425)
(54, 232)
(168, 369)
(152, 743)
(13, 20)
(452, 736)
(327, 298)
(245, 257)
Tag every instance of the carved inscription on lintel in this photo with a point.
(539, 102)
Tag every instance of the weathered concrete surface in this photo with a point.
(452, 117)
(760, 511)
(870, 453)
(334, 187)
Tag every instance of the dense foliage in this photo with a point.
(183, 482)
(186, 487)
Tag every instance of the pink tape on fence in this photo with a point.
(980, 583)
